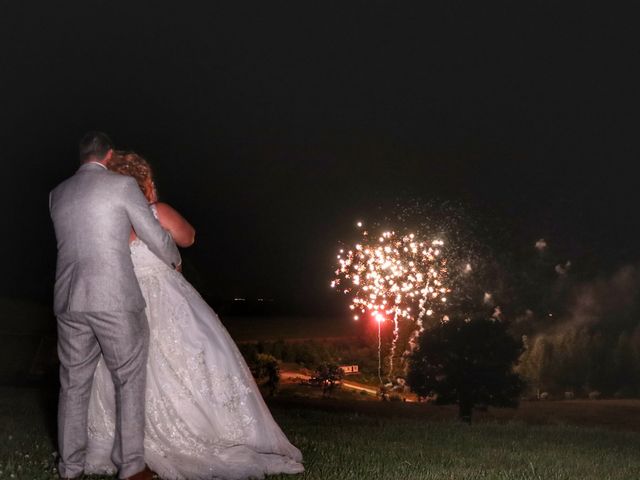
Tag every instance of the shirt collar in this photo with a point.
(98, 163)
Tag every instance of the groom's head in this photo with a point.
(95, 147)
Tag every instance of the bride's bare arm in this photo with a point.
(181, 230)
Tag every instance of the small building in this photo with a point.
(349, 369)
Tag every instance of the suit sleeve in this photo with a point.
(147, 228)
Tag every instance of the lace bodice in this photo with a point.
(144, 260)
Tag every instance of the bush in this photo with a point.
(266, 371)
(328, 375)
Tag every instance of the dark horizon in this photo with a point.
(273, 128)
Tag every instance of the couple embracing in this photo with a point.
(150, 380)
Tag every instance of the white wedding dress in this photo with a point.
(205, 417)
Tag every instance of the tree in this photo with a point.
(468, 362)
(266, 372)
(328, 375)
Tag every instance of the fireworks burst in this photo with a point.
(395, 277)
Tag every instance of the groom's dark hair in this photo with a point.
(94, 144)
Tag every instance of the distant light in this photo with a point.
(261, 299)
(359, 224)
(238, 299)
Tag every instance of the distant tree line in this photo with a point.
(310, 353)
(580, 361)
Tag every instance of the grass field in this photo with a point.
(344, 440)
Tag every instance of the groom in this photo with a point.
(98, 303)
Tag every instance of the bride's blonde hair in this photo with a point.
(132, 164)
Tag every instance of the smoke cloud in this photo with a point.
(610, 303)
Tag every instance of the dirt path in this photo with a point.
(290, 376)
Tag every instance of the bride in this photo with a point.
(205, 417)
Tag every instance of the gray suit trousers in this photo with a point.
(123, 339)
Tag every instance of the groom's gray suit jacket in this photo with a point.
(92, 213)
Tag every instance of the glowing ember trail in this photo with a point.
(394, 276)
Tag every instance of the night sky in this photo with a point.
(273, 126)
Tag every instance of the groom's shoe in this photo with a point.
(145, 474)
